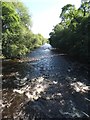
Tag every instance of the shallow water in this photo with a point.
(47, 84)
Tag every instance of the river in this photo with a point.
(45, 85)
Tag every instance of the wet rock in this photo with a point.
(47, 85)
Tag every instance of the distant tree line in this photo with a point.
(72, 34)
(17, 37)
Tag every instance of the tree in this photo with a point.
(14, 31)
(23, 13)
(71, 35)
(17, 38)
(67, 14)
(85, 8)
(10, 24)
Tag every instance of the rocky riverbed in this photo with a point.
(45, 85)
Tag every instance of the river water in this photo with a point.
(46, 84)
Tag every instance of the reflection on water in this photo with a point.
(45, 84)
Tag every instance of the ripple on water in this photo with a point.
(46, 90)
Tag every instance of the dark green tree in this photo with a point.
(71, 35)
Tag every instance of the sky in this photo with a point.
(45, 13)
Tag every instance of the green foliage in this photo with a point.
(22, 11)
(17, 38)
(72, 34)
(85, 8)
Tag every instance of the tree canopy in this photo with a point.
(17, 37)
(71, 35)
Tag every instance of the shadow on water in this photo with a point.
(46, 85)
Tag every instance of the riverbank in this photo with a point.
(56, 50)
(20, 59)
(83, 60)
